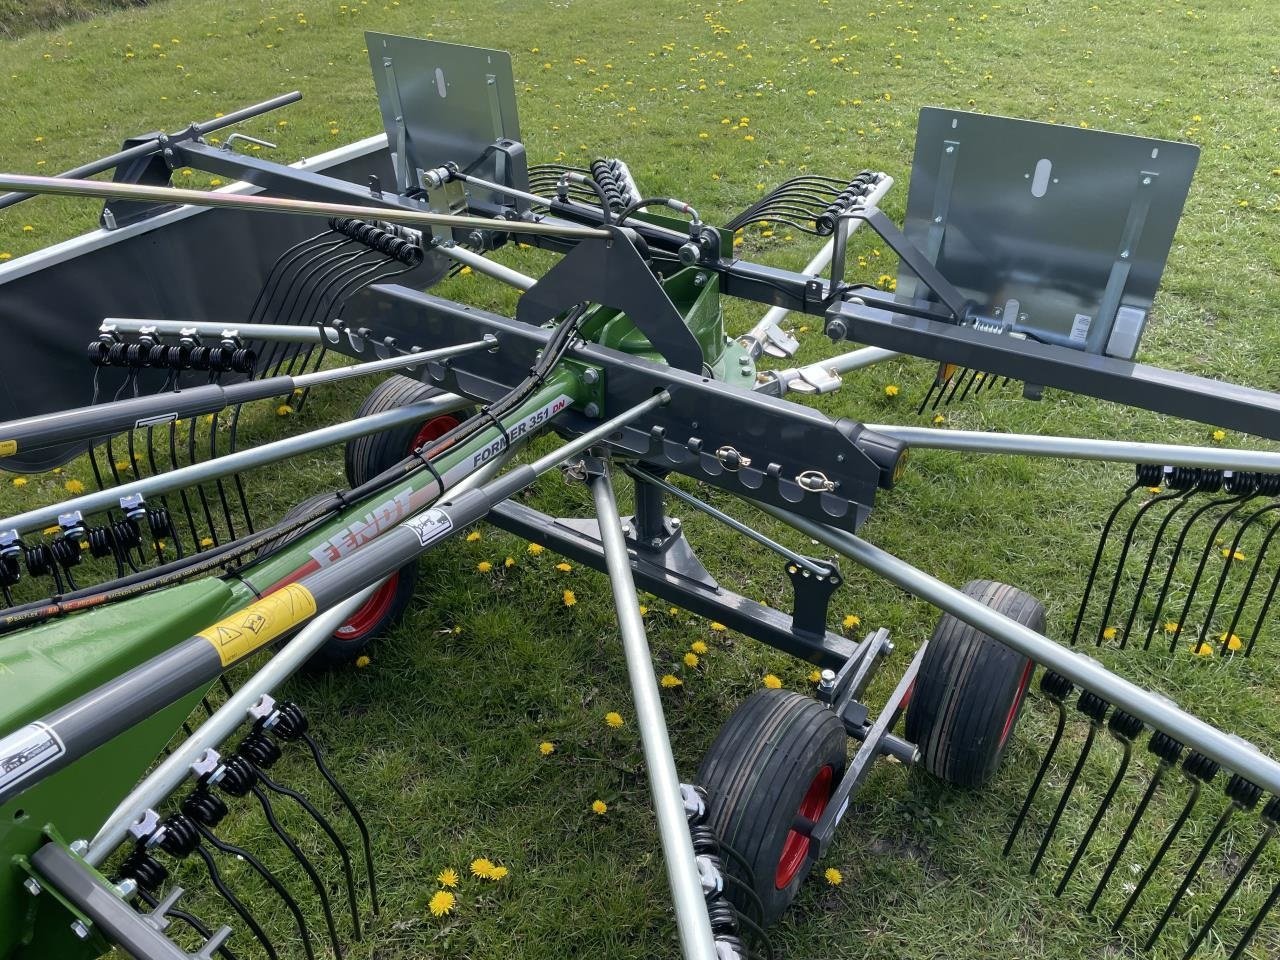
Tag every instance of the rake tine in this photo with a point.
(1262, 614)
(1156, 541)
(1256, 923)
(236, 903)
(1102, 543)
(951, 379)
(164, 500)
(1057, 688)
(1095, 708)
(967, 371)
(182, 493)
(1200, 770)
(190, 919)
(262, 752)
(1167, 750)
(976, 378)
(1124, 727)
(1244, 796)
(1270, 816)
(1226, 571)
(933, 385)
(1248, 588)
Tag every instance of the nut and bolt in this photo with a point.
(80, 929)
(827, 681)
(592, 410)
(590, 376)
(32, 885)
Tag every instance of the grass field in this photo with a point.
(439, 735)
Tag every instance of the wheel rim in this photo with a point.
(433, 429)
(1023, 682)
(371, 613)
(796, 847)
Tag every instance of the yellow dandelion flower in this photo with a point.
(546, 748)
(851, 620)
(833, 876)
(811, 92)
(1233, 643)
(362, 661)
(939, 419)
(1202, 649)
(5, 255)
(464, 272)
(1230, 554)
(643, 610)
(564, 567)
(535, 549)
(673, 610)
(215, 182)
(1109, 633)
(718, 627)
(484, 566)
(1219, 436)
(699, 648)
(20, 481)
(749, 138)
(473, 536)
(613, 719)
(670, 680)
(509, 562)
(448, 877)
(691, 659)
(772, 682)
(28, 228)
(283, 410)
(482, 867)
(206, 541)
(815, 675)
(1171, 626)
(497, 873)
(442, 902)
(74, 486)
(599, 808)
(891, 390)
(569, 598)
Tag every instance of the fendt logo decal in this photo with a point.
(518, 430)
(376, 522)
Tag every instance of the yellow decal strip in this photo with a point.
(259, 623)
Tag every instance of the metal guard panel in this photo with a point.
(1065, 226)
(691, 435)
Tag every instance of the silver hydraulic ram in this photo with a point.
(101, 714)
(1231, 751)
(692, 922)
(118, 416)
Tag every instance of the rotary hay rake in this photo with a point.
(1030, 254)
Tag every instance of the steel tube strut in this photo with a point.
(119, 416)
(692, 921)
(196, 473)
(287, 332)
(311, 208)
(1230, 751)
(1083, 448)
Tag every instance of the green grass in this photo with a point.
(438, 736)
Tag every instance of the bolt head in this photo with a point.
(592, 410)
(80, 929)
(32, 885)
(590, 376)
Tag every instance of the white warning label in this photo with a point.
(430, 526)
(25, 751)
(1080, 327)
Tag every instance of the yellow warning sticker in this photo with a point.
(8, 448)
(259, 623)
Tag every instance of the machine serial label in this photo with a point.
(375, 523)
(517, 430)
(25, 751)
(1080, 327)
(430, 526)
(261, 622)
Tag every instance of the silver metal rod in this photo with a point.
(197, 473)
(1084, 448)
(261, 203)
(728, 521)
(775, 315)
(400, 362)
(175, 768)
(1161, 713)
(692, 922)
(284, 332)
(503, 189)
(858, 359)
(482, 264)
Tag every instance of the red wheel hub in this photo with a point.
(1023, 682)
(365, 620)
(433, 429)
(796, 846)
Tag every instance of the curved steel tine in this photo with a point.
(1156, 541)
(1200, 770)
(190, 919)
(978, 377)
(1270, 815)
(933, 385)
(292, 846)
(225, 892)
(1097, 558)
(1271, 592)
(1253, 571)
(1124, 727)
(327, 827)
(318, 755)
(1167, 750)
(951, 381)
(1095, 708)
(1256, 923)
(1142, 511)
(1244, 796)
(968, 371)
(272, 880)
(1057, 688)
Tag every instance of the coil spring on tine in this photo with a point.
(1149, 474)
(205, 808)
(142, 867)
(38, 559)
(65, 551)
(180, 837)
(238, 776)
(259, 749)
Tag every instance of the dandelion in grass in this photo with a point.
(851, 620)
(1109, 633)
(362, 661)
(448, 877)
(699, 648)
(1233, 642)
(564, 567)
(535, 549)
(613, 719)
(509, 562)
(5, 255)
(939, 419)
(20, 481)
(1219, 436)
(1230, 554)
(74, 486)
(599, 808)
(815, 675)
(690, 659)
(442, 902)
(673, 610)
(482, 867)
(718, 627)
(643, 610)
(484, 566)
(570, 598)
(1202, 649)
(670, 681)
(833, 876)
(772, 682)
(546, 748)
(283, 410)
(891, 390)
(497, 873)
(473, 536)
(1171, 626)
(28, 228)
